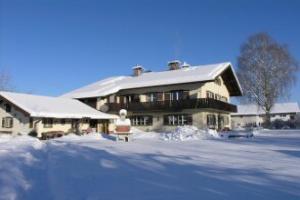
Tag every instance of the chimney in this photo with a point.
(185, 65)
(137, 70)
(174, 64)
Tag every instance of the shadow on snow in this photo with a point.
(71, 171)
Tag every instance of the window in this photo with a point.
(177, 120)
(282, 115)
(176, 95)
(151, 97)
(179, 95)
(209, 94)
(48, 122)
(211, 120)
(167, 96)
(160, 96)
(7, 122)
(292, 117)
(141, 120)
(63, 121)
(7, 108)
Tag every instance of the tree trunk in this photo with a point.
(268, 120)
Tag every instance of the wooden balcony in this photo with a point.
(205, 103)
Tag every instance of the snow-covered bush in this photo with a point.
(280, 124)
(184, 133)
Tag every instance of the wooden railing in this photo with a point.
(173, 105)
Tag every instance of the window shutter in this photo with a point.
(11, 122)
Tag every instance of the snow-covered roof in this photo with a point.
(251, 109)
(53, 107)
(184, 75)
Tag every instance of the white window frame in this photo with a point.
(142, 120)
(177, 120)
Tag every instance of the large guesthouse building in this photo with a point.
(180, 95)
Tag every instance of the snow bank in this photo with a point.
(184, 133)
(152, 169)
(139, 134)
(181, 133)
(10, 141)
(74, 137)
(237, 134)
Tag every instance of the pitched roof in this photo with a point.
(184, 75)
(53, 107)
(251, 109)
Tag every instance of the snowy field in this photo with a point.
(266, 166)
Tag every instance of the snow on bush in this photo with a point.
(184, 133)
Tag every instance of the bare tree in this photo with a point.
(5, 81)
(266, 70)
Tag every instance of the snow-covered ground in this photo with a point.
(151, 166)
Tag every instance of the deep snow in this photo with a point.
(97, 167)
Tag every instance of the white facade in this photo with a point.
(23, 113)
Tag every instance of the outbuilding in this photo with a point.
(24, 113)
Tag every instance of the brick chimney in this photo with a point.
(137, 70)
(174, 64)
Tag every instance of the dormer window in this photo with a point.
(7, 108)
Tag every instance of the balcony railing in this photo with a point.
(176, 105)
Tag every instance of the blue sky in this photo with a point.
(53, 46)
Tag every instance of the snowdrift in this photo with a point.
(181, 133)
(185, 133)
(74, 137)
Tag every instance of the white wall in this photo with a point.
(20, 119)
